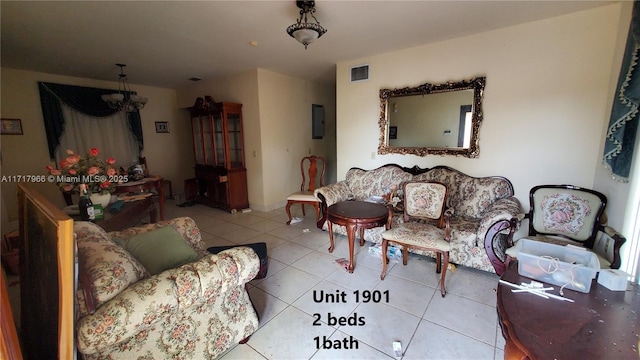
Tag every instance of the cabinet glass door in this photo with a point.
(208, 139)
(197, 140)
(235, 140)
(219, 140)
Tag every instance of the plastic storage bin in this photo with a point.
(568, 266)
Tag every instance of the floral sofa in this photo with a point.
(195, 311)
(485, 210)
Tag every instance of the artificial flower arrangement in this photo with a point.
(74, 170)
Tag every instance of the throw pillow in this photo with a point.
(160, 249)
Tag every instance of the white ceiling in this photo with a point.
(164, 43)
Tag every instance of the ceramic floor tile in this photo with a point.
(373, 260)
(420, 269)
(211, 240)
(362, 278)
(465, 316)
(500, 341)
(270, 241)
(265, 225)
(341, 247)
(313, 240)
(267, 306)
(220, 228)
(286, 232)
(473, 284)
(432, 341)
(288, 252)
(240, 236)
(274, 267)
(353, 351)
(242, 352)
(317, 263)
(288, 284)
(499, 354)
(326, 297)
(383, 325)
(290, 335)
(407, 295)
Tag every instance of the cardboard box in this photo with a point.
(569, 266)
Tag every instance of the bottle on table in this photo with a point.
(85, 205)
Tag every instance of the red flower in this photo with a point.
(111, 161)
(94, 151)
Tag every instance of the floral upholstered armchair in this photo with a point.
(570, 215)
(190, 305)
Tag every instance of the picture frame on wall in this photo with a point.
(393, 132)
(162, 126)
(11, 127)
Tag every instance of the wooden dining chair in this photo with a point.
(311, 179)
(426, 226)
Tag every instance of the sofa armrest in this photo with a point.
(331, 194)
(607, 244)
(496, 230)
(153, 299)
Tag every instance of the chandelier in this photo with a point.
(124, 99)
(303, 31)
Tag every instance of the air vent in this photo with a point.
(359, 73)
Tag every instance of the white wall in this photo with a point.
(545, 104)
(168, 155)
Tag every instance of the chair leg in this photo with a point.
(385, 246)
(288, 210)
(302, 205)
(317, 212)
(443, 291)
(438, 263)
(405, 254)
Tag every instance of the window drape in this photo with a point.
(623, 123)
(83, 132)
(83, 99)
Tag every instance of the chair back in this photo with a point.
(311, 178)
(567, 211)
(425, 200)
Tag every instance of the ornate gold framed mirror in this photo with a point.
(432, 119)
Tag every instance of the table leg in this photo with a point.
(351, 235)
(361, 236)
(160, 190)
(385, 246)
(330, 228)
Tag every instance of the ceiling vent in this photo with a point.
(359, 73)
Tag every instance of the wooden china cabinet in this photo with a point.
(218, 146)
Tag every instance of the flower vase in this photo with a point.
(101, 199)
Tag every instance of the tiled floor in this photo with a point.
(293, 325)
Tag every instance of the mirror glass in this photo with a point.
(440, 119)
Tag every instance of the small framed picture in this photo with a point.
(162, 127)
(11, 127)
(393, 132)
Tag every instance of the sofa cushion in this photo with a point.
(110, 269)
(378, 182)
(160, 249)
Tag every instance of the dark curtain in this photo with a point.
(83, 99)
(623, 123)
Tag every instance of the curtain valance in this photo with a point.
(83, 99)
(623, 123)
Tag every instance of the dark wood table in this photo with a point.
(131, 214)
(601, 324)
(144, 185)
(356, 215)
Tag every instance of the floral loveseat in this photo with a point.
(485, 210)
(194, 311)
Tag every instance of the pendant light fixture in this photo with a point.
(124, 99)
(303, 31)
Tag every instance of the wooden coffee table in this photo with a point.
(601, 324)
(356, 215)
